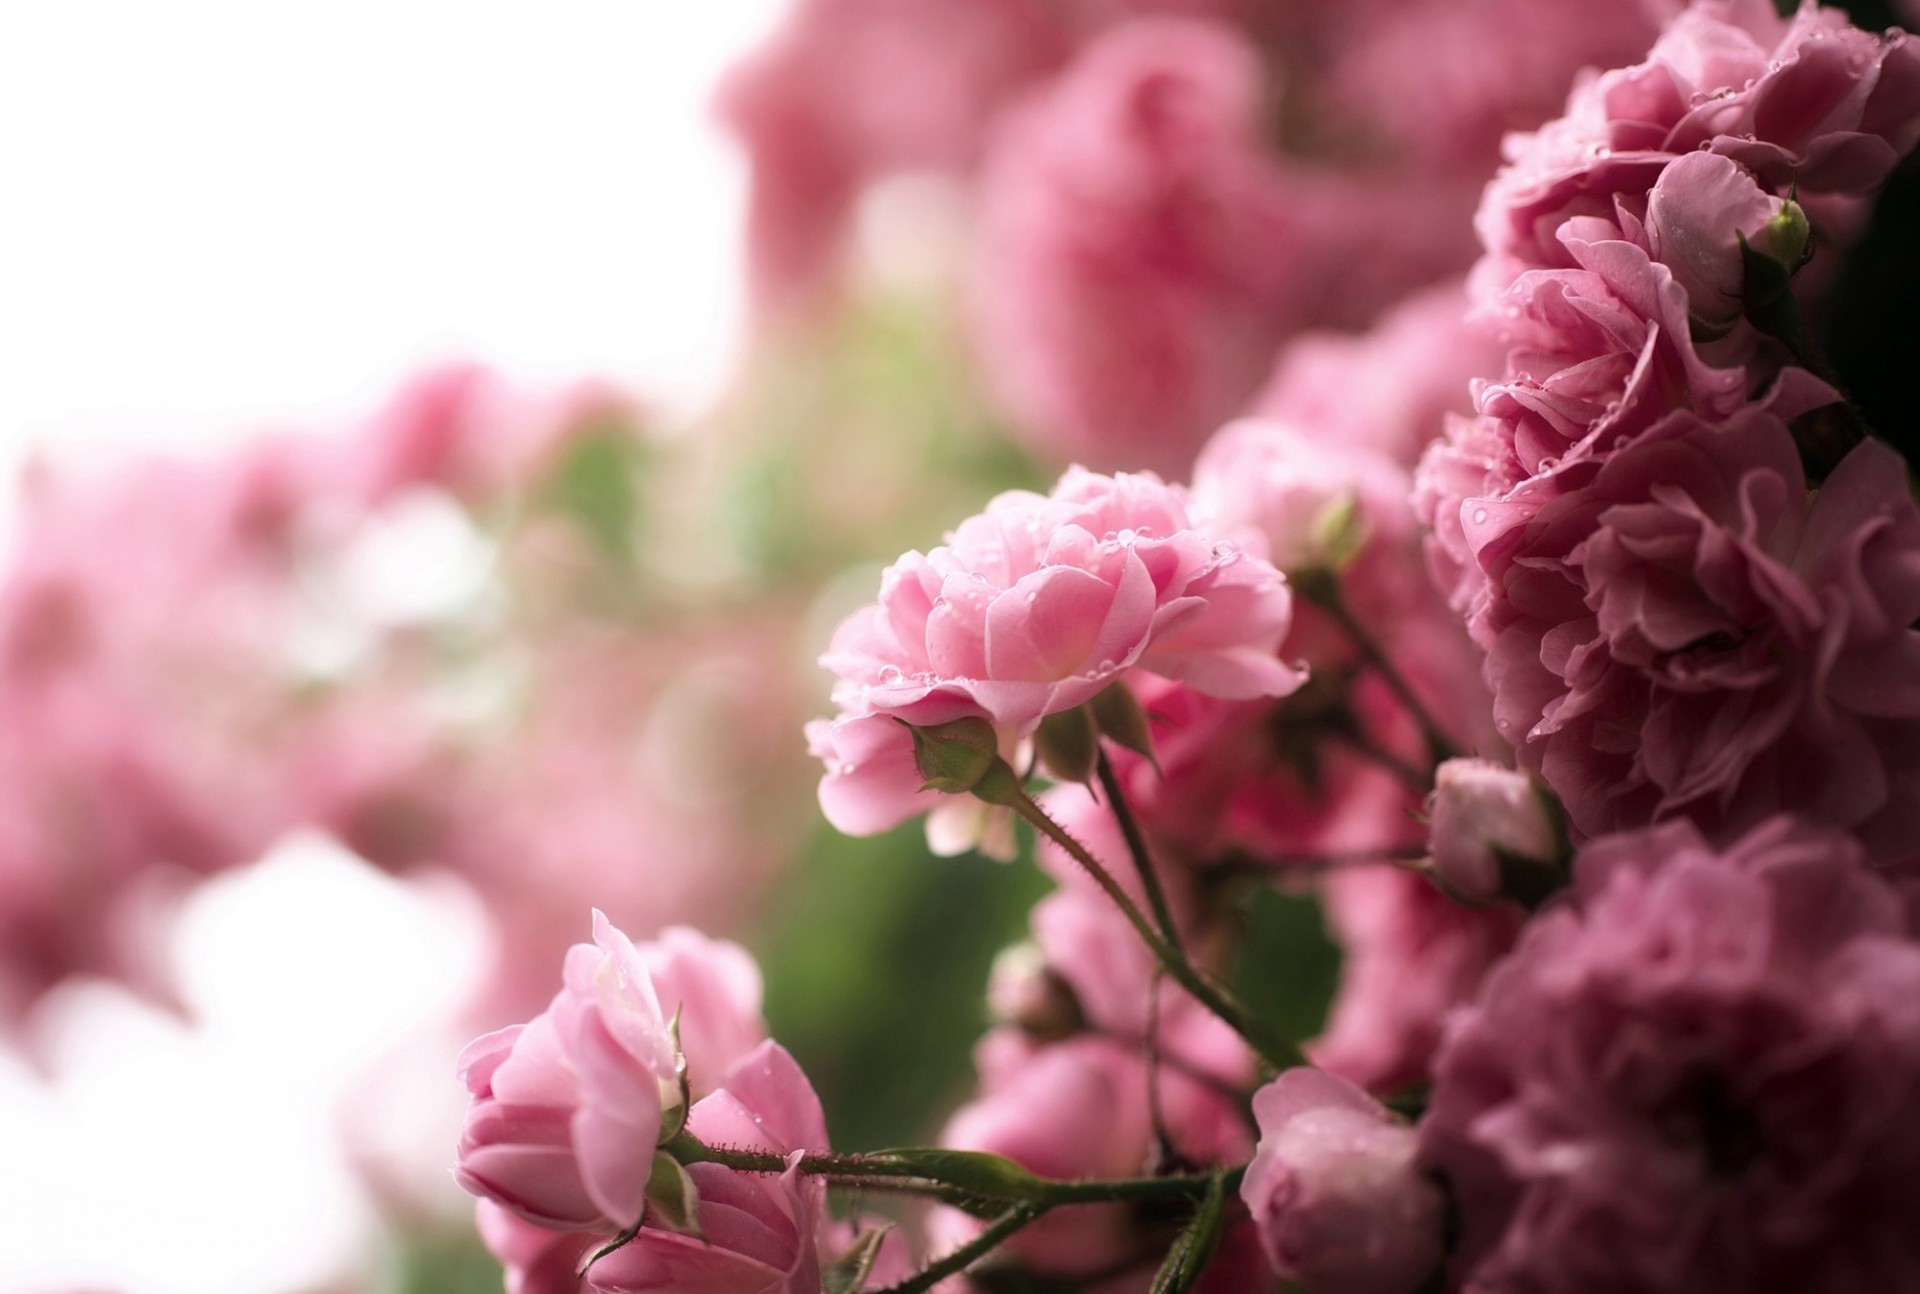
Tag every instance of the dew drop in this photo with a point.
(1479, 516)
(846, 770)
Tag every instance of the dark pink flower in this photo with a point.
(1684, 631)
(1808, 102)
(1701, 1076)
(1335, 1194)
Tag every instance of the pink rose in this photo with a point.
(762, 1233)
(1703, 1076)
(1485, 817)
(1686, 632)
(1334, 1191)
(567, 1108)
(1031, 609)
(1697, 214)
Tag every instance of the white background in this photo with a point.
(219, 214)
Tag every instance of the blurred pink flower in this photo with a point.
(1334, 1191)
(1482, 815)
(1137, 253)
(1702, 1076)
(1409, 955)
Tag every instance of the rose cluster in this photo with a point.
(1557, 637)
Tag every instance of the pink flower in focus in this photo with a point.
(1697, 215)
(762, 1234)
(1031, 609)
(1686, 632)
(1809, 102)
(567, 1108)
(1702, 1077)
(1334, 1191)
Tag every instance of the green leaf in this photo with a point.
(988, 1176)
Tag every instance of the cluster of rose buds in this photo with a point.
(1558, 635)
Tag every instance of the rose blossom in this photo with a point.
(1684, 631)
(1334, 1192)
(1703, 1076)
(1031, 609)
(567, 1108)
(761, 1233)
(1810, 102)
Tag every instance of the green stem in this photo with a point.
(1323, 590)
(892, 1168)
(1272, 1048)
(1137, 846)
(966, 1255)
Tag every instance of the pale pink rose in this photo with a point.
(1810, 101)
(847, 92)
(1409, 955)
(567, 1108)
(1388, 388)
(1031, 609)
(761, 1233)
(1701, 1076)
(1137, 259)
(1336, 1196)
(713, 987)
(1684, 631)
(1480, 813)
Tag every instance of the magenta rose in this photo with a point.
(1703, 1075)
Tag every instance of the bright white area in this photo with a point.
(228, 213)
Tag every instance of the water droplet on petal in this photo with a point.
(1479, 516)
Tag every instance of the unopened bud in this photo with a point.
(1495, 834)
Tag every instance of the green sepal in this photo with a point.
(1340, 531)
(954, 757)
(1067, 743)
(1766, 285)
(674, 1117)
(672, 1198)
(1121, 720)
(850, 1271)
(1193, 1248)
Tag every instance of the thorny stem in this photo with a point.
(1137, 846)
(1272, 1048)
(883, 1168)
(1323, 590)
(966, 1255)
